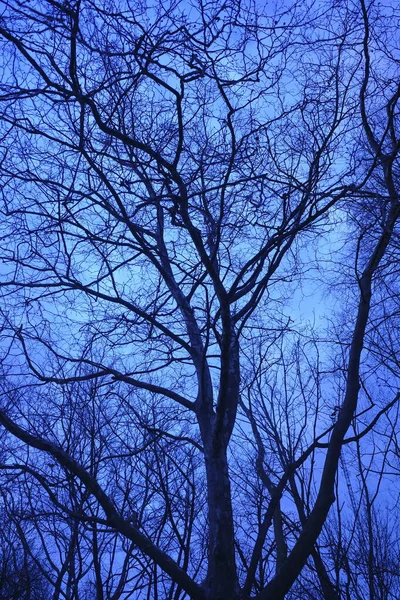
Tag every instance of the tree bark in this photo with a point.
(216, 430)
(221, 577)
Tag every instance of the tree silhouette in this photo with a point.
(169, 174)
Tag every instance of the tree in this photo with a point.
(168, 171)
(21, 569)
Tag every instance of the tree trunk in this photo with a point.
(221, 580)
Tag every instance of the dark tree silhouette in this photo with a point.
(171, 173)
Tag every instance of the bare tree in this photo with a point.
(167, 172)
(22, 568)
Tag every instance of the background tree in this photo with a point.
(22, 573)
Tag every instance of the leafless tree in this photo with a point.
(170, 172)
